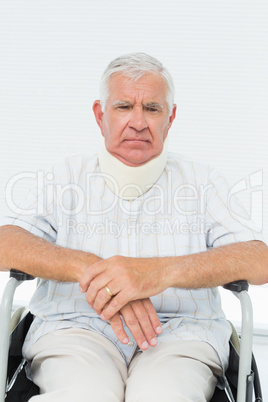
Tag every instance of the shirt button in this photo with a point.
(130, 344)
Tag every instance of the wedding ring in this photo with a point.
(108, 290)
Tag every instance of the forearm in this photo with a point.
(216, 267)
(24, 251)
(138, 278)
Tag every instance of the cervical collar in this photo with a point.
(130, 182)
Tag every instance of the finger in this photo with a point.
(96, 288)
(134, 326)
(92, 272)
(145, 323)
(149, 307)
(115, 305)
(118, 328)
(99, 299)
(103, 298)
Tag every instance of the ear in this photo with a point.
(172, 116)
(98, 113)
(171, 119)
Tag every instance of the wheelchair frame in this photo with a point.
(239, 289)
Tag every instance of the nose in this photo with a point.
(138, 119)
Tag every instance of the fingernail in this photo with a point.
(125, 340)
(144, 345)
(158, 330)
(153, 341)
(81, 290)
(102, 317)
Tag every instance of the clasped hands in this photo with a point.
(131, 281)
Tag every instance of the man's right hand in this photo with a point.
(141, 319)
(22, 250)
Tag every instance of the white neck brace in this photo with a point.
(130, 182)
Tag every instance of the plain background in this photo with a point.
(54, 52)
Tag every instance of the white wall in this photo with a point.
(52, 56)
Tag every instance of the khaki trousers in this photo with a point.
(73, 365)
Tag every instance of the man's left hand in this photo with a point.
(141, 319)
(126, 278)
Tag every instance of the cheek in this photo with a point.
(165, 129)
(159, 129)
(113, 130)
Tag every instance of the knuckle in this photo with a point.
(115, 319)
(130, 294)
(143, 317)
(97, 306)
(131, 322)
(116, 323)
(93, 285)
(149, 307)
(137, 306)
(114, 303)
(113, 258)
(102, 294)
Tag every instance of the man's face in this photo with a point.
(136, 121)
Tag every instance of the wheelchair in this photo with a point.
(236, 385)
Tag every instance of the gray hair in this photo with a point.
(134, 66)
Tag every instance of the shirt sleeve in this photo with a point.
(227, 220)
(37, 212)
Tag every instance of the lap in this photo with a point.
(76, 364)
(177, 371)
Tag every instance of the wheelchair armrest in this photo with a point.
(237, 286)
(16, 278)
(240, 290)
(20, 276)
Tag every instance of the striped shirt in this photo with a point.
(188, 210)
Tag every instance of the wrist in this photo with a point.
(81, 261)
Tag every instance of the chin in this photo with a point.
(134, 156)
(136, 161)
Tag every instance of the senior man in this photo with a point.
(131, 244)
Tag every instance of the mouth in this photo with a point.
(136, 140)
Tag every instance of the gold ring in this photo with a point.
(108, 290)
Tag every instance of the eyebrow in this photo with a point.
(148, 104)
(121, 103)
(153, 104)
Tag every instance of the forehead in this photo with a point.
(148, 87)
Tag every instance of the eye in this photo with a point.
(152, 109)
(123, 107)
